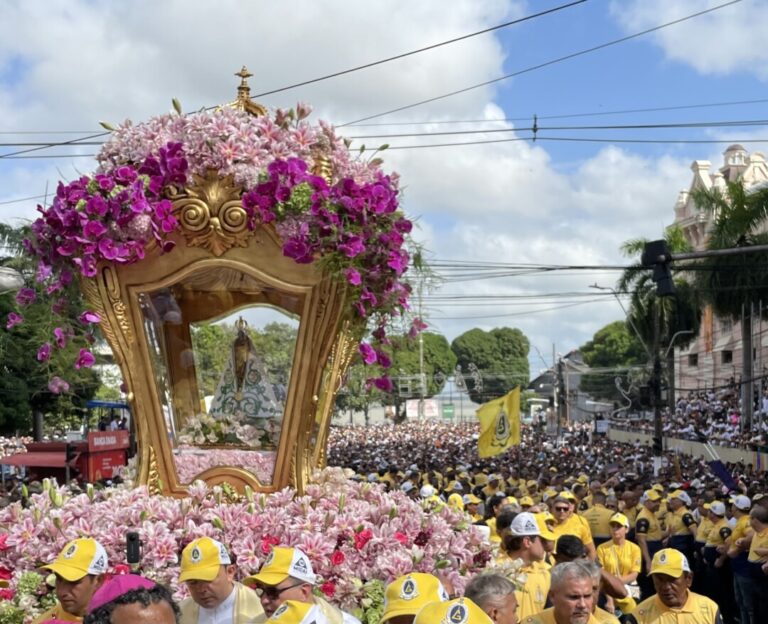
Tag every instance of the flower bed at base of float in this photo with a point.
(358, 536)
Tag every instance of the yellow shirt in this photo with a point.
(631, 514)
(575, 525)
(548, 617)
(681, 522)
(648, 524)
(533, 596)
(759, 540)
(741, 529)
(705, 526)
(491, 524)
(602, 616)
(696, 610)
(719, 532)
(57, 612)
(620, 560)
(598, 517)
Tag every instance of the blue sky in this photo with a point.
(66, 64)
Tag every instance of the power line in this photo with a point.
(537, 129)
(564, 115)
(542, 65)
(424, 49)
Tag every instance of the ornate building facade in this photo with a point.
(714, 359)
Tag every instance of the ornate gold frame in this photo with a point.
(213, 235)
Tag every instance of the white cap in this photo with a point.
(717, 508)
(407, 486)
(426, 491)
(373, 477)
(742, 502)
(524, 524)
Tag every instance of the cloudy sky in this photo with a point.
(67, 64)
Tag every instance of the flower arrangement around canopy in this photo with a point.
(358, 536)
(348, 221)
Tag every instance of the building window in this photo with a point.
(693, 359)
(726, 357)
(726, 325)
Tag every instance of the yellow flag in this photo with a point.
(499, 424)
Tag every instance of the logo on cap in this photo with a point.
(280, 610)
(195, 555)
(531, 526)
(70, 551)
(270, 558)
(458, 614)
(301, 566)
(663, 558)
(408, 591)
(100, 564)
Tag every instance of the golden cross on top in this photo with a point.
(244, 74)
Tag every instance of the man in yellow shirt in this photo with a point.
(525, 543)
(719, 584)
(79, 570)
(757, 558)
(569, 523)
(681, 525)
(648, 534)
(737, 547)
(674, 602)
(571, 595)
(598, 516)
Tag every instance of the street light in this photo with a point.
(10, 280)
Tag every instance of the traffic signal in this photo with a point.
(656, 254)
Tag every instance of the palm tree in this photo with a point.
(734, 283)
(675, 314)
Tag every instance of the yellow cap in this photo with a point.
(481, 478)
(567, 495)
(548, 517)
(583, 478)
(619, 518)
(408, 594)
(544, 531)
(670, 562)
(511, 500)
(295, 612)
(471, 499)
(282, 563)
(652, 494)
(456, 501)
(658, 487)
(459, 611)
(202, 558)
(531, 483)
(526, 500)
(78, 558)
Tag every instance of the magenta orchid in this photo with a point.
(348, 221)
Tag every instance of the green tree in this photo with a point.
(23, 379)
(682, 312)
(733, 284)
(501, 355)
(614, 348)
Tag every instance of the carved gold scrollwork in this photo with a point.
(211, 214)
(154, 484)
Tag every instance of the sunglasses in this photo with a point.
(561, 508)
(273, 593)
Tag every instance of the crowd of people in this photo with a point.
(585, 530)
(711, 416)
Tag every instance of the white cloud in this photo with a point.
(506, 202)
(724, 41)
